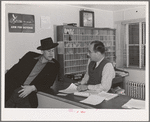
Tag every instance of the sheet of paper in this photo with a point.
(84, 94)
(62, 94)
(92, 92)
(45, 22)
(121, 73)
(71, 89)
(107, 96)
(93, 100)
(134, 103)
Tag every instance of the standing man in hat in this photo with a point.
(34, 72)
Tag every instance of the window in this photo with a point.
(135, 45)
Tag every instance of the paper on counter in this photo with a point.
(84, 94)
(92, 92)
(71, 89)
(134, 103)
(107, 96)
(121, 73)
(93, 100)
(59, 94)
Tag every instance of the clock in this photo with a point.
(86, 18)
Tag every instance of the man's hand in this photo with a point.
(82, 87)
(26, 90)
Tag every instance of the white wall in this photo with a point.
(131, 14)
(136, 75)
(17, 44)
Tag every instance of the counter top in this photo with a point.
(115, 103)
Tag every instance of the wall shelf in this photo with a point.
(73, 47)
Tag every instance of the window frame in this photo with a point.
(141, 43)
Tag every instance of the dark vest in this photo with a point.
(95, 74)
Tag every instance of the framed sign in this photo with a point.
(86, 18)
(21, 23)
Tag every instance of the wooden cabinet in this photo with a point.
(73, 48)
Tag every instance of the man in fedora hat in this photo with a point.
(34, 72)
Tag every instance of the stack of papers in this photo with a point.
(107, 96)
(134, 103)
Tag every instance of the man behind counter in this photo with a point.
(100, 72)
(34, 72)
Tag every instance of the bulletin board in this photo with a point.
(21, 23)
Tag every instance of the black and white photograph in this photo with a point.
(74, 60)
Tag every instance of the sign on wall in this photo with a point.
(21, 23)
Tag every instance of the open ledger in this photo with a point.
(95, 99)
(87, 93)
(107, 96)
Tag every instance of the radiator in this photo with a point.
(135, 90)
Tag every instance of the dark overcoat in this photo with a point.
(17, 75)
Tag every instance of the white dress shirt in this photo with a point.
(108, 74)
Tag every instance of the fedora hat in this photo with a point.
(47, 44)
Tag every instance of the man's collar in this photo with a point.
(40, 59)
(37, 58)
(97, 63)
